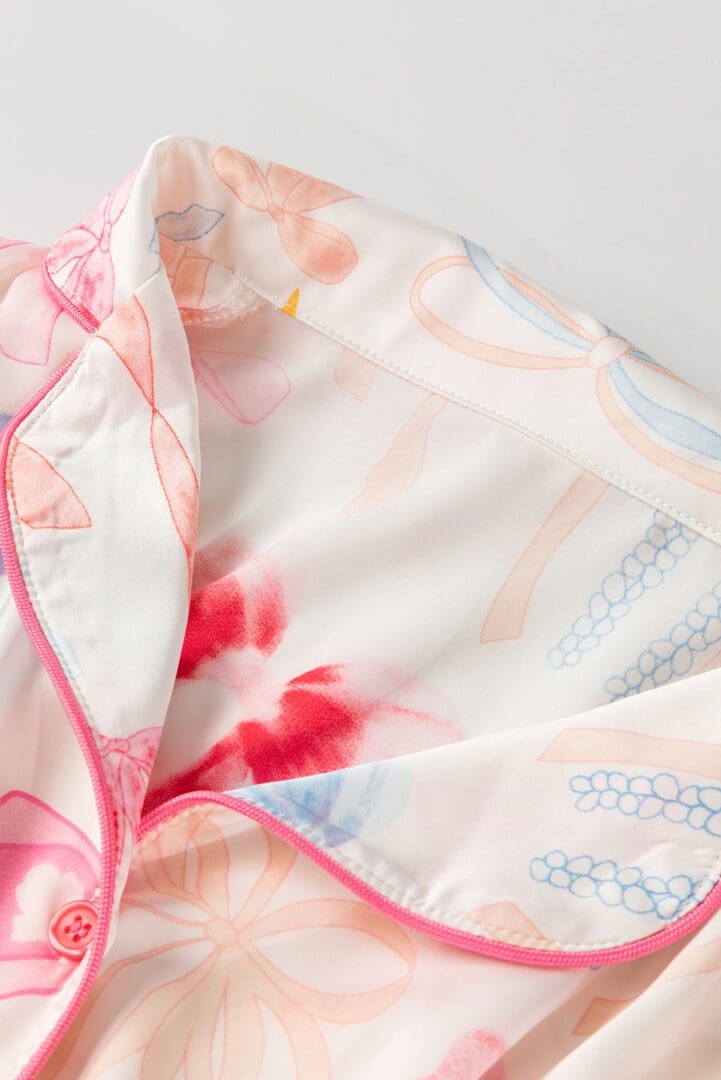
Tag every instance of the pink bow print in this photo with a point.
(45, 861)
(128, 335)
(185, 876)
(91, 281)
(127, 763)
(320, 250)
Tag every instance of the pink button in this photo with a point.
(73, 928)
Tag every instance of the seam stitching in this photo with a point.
(475, 406)
(463, 401)
(23, 429)
(462, 922)
(458, 399)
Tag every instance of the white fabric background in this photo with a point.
(578, 140)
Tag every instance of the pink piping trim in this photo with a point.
(486, 947)
(514, 954)
(80, 727)
(80, 314)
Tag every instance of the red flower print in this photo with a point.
(236, 602)
(86, 250)
(327, 718)
(320, 250)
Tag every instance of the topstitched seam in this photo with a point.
(462, 922)
(475, 406)
(25, 427)
(544, 438)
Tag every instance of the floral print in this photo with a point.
(296, 779)
(326, 718)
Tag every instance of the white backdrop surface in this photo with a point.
(579, 140)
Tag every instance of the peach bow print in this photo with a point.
(127, 332)
(187, 273)
(248, 387)
(42, 497)
(320, 250)
(127, 763)
(403, 462)
(86, 250)
(187, 866)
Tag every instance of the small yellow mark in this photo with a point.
(291, 305)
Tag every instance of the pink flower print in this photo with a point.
(248, 387)
(127, 763)
(320, 250)
(85, 249)
(45, 862)
(328, 718)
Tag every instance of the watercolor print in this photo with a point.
(248, 387)
(291, 199)
(638, 778)
(127, 332)
(84, 254)
(402, 464)
(43, 499)
(37, 879)
(330, 717)
(187, 269)
(507, 613)
(203, 988)
(629, 383)
(32, 341)
(335, 807)
(127, 763)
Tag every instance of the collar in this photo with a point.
(198, 234)
(447, 315)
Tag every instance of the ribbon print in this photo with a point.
(658, 432)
